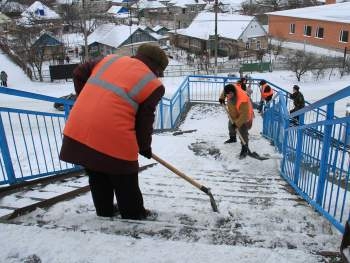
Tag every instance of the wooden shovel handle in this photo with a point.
(176, 171)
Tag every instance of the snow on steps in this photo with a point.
(257, 208)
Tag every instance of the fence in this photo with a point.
(315, 153)
(30, 140)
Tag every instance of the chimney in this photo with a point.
(328, 2)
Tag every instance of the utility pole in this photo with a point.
(86, 49)
(216, 37)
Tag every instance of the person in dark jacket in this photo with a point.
(111, 122)
(298, 101)
(3, 77)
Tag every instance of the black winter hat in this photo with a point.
(296, 87)
(262, 82)
(154, 53)
(242, 80)
(229, 88)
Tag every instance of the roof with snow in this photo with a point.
(65, 2)
(158, 27)
(120, 1)
(47, 39)
(229, 25)
(118, 11)
(115, 35)
(145, 4)
(4, 18)
(184, 3)
(332, 12)
(39, 11)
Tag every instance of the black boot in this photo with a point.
(244, 152)
(231, 140)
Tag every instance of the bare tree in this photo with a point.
(83, 18)
(23, 38)
(270, 5)
(301, 62)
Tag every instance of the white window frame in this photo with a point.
(305, 30)
(247, 45)
(292, 28)
(341, 36)
(318, 31)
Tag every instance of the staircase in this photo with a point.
(259, 214)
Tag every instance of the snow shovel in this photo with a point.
(250, 153)
(188, 179)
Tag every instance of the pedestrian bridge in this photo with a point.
(315, 153)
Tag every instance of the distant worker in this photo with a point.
(111, 122)
(241, 113)
(298, 101)
(241, 83)
(3, 77)
(266, 94)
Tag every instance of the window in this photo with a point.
(307, 30)
(319, 32)
(292, 29)
(344, 36)
(258, 44)
(247, 45)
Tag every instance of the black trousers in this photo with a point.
(126, 190)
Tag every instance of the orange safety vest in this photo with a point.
(242, 97)
(103, 117)
(264, 94)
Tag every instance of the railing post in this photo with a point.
(324, 156)
(298, 151)
(171, 114)
(6, 155)
(285, 144)
(67, 109)
(188, 89)
(161, 113)
(180, 100)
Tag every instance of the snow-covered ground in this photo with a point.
(259, 219)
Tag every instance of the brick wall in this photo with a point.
(279, 27)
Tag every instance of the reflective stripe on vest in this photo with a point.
(103, 117)
(129, 97)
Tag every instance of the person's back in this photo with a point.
(111, 122)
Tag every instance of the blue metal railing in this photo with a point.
(315, 153)
(30, 140)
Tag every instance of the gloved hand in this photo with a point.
(147, 153)
(222, 101)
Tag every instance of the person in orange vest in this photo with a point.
(111, 122)
(266, 94)
(241, 83)
(241, 113)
